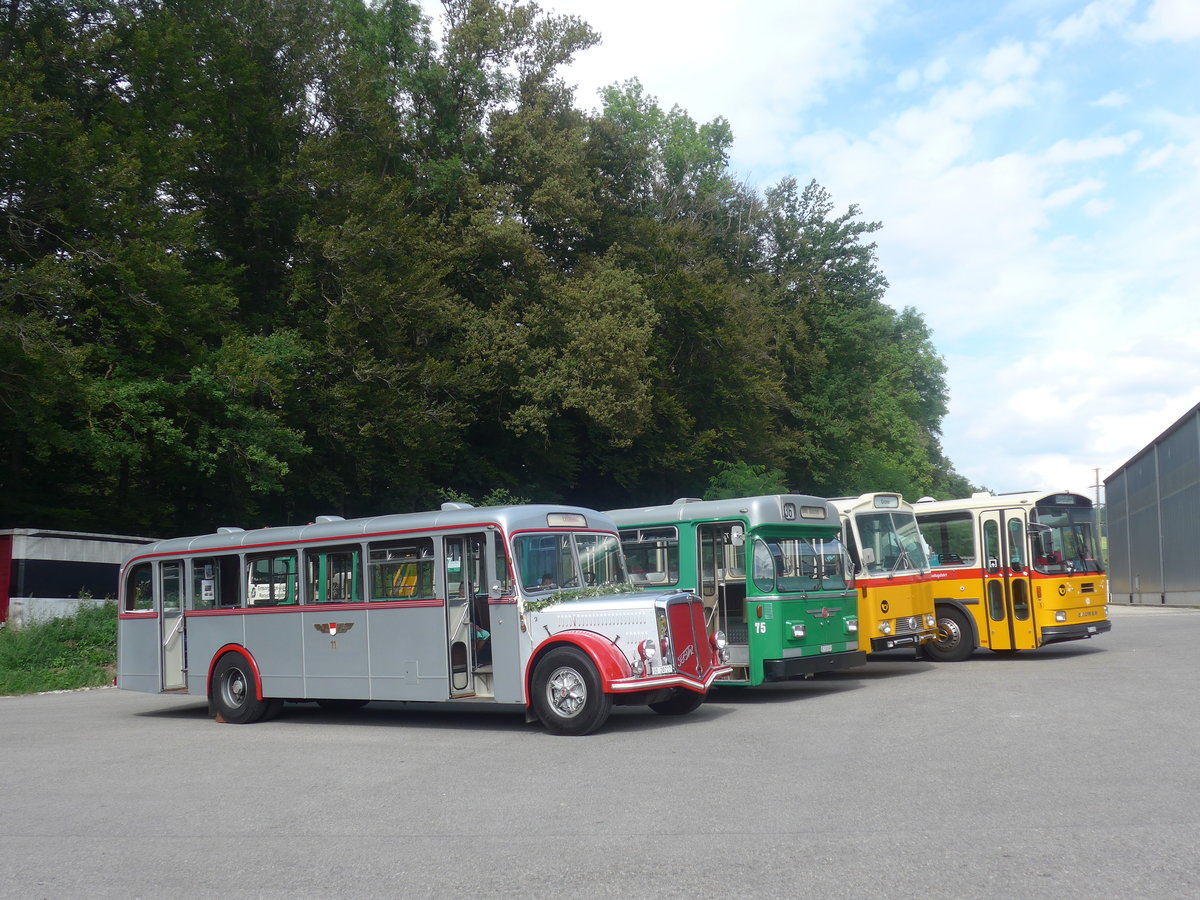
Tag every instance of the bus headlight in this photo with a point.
(885, 627)
(720, 646)
(798, 631)
(930, 620)
(648, 650)
(1060, 616)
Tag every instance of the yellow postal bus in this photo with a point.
(1013, 571)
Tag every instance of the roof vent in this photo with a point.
(322, 520)
(450, 507)
(229, 529)
(683, 500)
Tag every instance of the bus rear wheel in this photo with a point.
(235, 692)
(954, 642)
(567, 694)
(680, 703)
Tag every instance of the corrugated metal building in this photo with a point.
(1154, 520)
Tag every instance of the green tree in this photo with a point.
(743, 480)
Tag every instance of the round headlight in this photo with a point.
(885, 627)
(718, 640)
(930, 621)
(648, 649)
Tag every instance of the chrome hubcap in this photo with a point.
(566, 691)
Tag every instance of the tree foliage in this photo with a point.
(263, 259)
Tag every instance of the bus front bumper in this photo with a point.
(902, 640)
(1075, 632)
(803, 666)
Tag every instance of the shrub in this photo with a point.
(61, 654)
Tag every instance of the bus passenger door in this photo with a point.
(171, 625)
(465, 577)
(722, 579)
(1006, 583)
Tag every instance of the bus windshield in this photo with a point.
(547, 562)
(798, 565)
(1063, 540)
(890, 541)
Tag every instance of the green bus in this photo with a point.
(771, 572)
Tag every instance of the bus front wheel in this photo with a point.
(679, 703)
(954, 642)
(235, 692)
(567, 694)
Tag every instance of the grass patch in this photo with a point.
(61, 654)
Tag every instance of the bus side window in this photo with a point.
(271, 580)
(951, 537)
(401, 570)
(139, 588)
(333, 575)
(215, 582)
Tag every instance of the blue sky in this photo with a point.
(1036, 169)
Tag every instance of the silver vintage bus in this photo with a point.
(527, 606)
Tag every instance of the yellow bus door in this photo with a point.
(1006, 581)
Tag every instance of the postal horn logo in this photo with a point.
(333, 628)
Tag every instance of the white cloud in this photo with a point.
(1068, 195)
(1070, 150)
(1170, 20)
(1011, 60)
(1113, 99)
(1092, 19)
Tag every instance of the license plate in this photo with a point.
(1091, 629)
(827, 648)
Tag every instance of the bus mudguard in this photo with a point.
(246, 655)
(608, 659)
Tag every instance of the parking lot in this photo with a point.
(1065, 772)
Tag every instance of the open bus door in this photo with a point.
(171, 626)
(723, 584)
(1006, 582)
(465, 578)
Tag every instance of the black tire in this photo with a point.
(567, 694)
(235, 692)
(955, 640)
(680, 703)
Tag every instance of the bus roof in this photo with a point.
(332, 528)
(986, 500)
(767, 509)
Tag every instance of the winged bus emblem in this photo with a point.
(333, 627)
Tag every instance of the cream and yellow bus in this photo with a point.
(892, 572)
(1013, 571)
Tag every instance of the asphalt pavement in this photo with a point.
(1069, 771)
